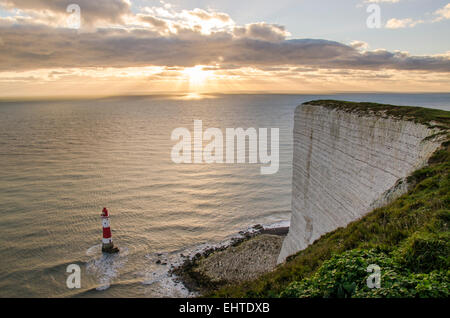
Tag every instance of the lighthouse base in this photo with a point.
(109, 248)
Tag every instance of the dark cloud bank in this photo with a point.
(27, 46)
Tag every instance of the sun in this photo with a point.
(197, 77)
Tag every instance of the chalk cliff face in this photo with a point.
(346, 164)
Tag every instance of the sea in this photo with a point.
(62, 161)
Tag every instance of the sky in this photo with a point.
(116, 47)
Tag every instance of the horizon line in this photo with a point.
(199, 95)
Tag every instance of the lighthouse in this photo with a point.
(107, 243)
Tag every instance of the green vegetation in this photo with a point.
(345, 276)
(408, 238)
(434, 118)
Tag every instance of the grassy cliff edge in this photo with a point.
(408, 238)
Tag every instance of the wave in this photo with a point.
(105, 267)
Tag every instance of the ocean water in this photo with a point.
(61, 162)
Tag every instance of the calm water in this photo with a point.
(62, 161)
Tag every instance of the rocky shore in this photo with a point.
(246, 258)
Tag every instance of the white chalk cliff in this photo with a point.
(346, 164)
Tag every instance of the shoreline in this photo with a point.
(247, 257)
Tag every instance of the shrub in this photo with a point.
(340, 276)
(401, 285)
(425, 252)
(345, 275)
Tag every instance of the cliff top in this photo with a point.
(433, 118)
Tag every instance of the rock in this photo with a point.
(110, 249)
(245, 261)
(258, 227)
(346, 164)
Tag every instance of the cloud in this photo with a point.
(205, 15)
(163, 36)
(402, 23)
(197, 20)
(383, 59)
(443, 14)
(382, 1)
(359, 45)
(262, 31)
(34, 47)
(157, 23)
(91, 11)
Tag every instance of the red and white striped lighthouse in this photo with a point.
(107, 243)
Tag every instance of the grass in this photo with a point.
(410, 235)
(434, 118)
